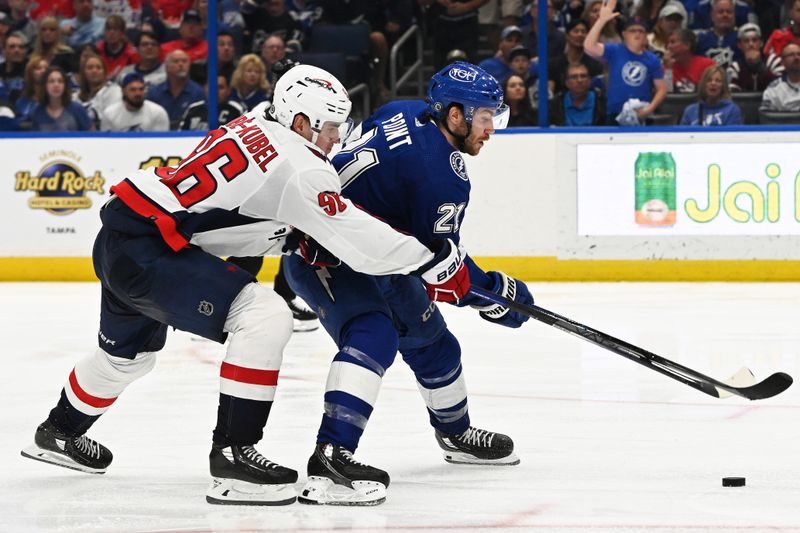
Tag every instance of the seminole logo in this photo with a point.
(60, 187)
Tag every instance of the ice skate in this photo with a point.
(242, 476)
(336, 478)
(77, 453)
(304, 318)
(477, 447)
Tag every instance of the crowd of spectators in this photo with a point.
(141, 65)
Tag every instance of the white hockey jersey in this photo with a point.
(238, 191)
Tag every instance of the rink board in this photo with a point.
(544, 206)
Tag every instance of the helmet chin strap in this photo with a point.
(461, 140)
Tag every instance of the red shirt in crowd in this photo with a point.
(686, 79)
(779, 39)
(196, 52)
(116, 62)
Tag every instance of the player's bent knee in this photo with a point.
(374, 335)
(260, 325)
(134, 368)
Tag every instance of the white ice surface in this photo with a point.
(606, 445)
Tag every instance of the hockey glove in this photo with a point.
(511, 288)
(446, 276)
(310, 250)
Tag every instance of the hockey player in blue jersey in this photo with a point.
(406, 168)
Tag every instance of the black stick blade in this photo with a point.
(772, 386)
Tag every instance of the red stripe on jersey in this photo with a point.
(85, 397)
(145, 207)
(251, 376)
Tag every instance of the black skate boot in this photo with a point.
(304, 318)
(242, 476)
(477, 447)
(336, 478)
(78, 453)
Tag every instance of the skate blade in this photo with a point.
(235, 492)
(46, 456)
(323, 491)
(301, 326)
(459, 458)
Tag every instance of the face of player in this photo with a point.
(484, 122)
(333, 133)
(55, 86)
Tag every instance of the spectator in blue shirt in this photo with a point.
(634, 72)
(721, 42)
(579, 105)
(499, 66)
(56, 110)
(84, 27)
(714, 106)
(178, 92)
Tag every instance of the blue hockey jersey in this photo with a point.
(403, 170)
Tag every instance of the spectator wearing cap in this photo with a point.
(720, 42)
(556, 40)
(178, 92)
(783, 94)
(196, 117)
(270, 17)
(579, 104)
(499, 64)
(519, 59)
(753, 73)
(714, 106)
(12, 70)
(686, 66)
(115, 50)
(150, 67)
(790, 34)
(743, 13)
(134, 112)
(671, 17)
(573, 55)
(648, 11)
(191, 38)
(634, 72)
(85, 27)
(591, 13)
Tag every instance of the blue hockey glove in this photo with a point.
(310, 250)
(511, 288)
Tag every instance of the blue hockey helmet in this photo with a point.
(470, 86)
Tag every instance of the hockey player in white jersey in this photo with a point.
(157, 259)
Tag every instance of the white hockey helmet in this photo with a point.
(315, 93)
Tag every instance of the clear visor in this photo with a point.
(334, 131)
(490, 118)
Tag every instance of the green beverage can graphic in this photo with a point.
(655, 189)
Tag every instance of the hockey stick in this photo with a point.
(741, 384)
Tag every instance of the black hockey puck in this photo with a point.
(733, 482)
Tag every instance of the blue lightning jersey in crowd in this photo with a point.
(403, 170)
